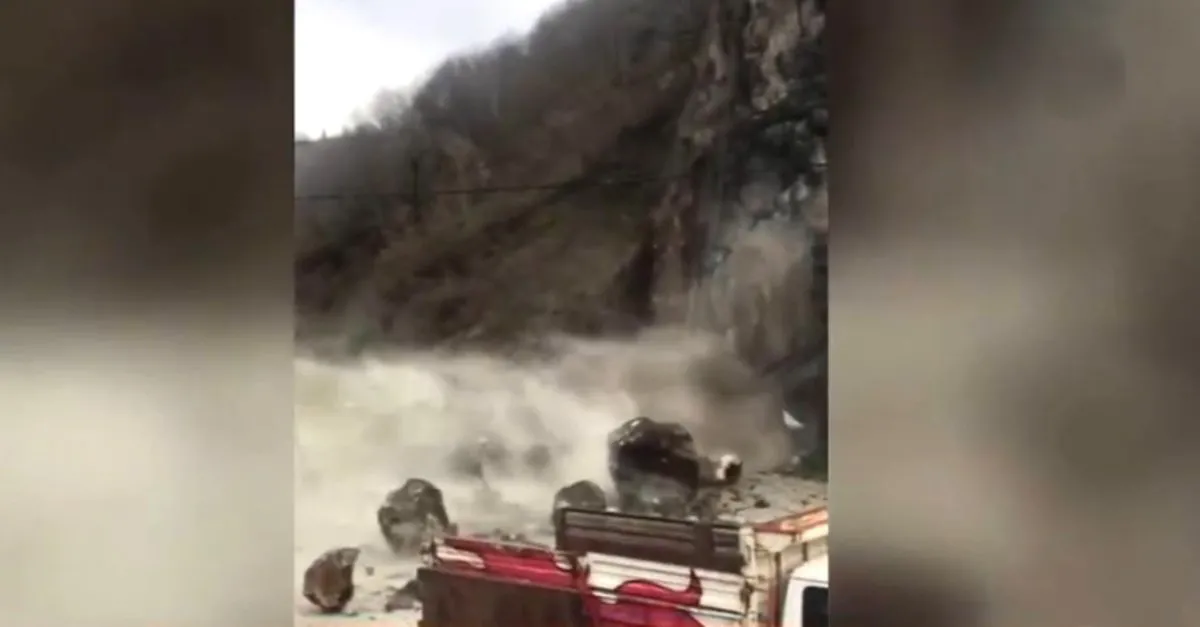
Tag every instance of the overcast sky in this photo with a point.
(347, 50)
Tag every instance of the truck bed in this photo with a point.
(620, 570)
(761, 498)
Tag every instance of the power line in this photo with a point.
(501, 189)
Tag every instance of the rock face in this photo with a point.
(579, 495)
(413, 515)
(656, 468)
(329, 581)
(753, 134)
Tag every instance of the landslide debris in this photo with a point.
(579, 495)
(329, 581)
(657, 469)
(413, 515)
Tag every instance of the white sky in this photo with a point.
(348, 50)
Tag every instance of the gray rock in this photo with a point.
(412, 516)
(580, 495)
(657, 470)
(329, 581)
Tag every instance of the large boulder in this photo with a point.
(413, 515)
(329, 581)
(657, 469)
(579, 495)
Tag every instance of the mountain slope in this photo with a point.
(630, 163)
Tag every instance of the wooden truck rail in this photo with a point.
(713, 546)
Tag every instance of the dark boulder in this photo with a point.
(329, 581)
(413, 515)
(657, 469)
(579, 495)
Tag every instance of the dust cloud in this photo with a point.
(362, 428)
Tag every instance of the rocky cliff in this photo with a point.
(629, 163)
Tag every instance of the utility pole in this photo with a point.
(415, 197)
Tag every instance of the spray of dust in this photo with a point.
(363, 428)
(760, 298)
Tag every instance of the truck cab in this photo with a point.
(806, 601)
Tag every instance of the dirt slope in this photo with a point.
(615, 155)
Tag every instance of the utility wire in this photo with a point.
(502, 189)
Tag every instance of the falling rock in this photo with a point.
(579, 495)
(329, 581)
(412, 516)
(647, 447)
(657, 469)
(538, 459)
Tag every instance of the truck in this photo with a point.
(613, 569)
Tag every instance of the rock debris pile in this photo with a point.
(654, 466)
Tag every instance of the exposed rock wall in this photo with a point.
(745, 237)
